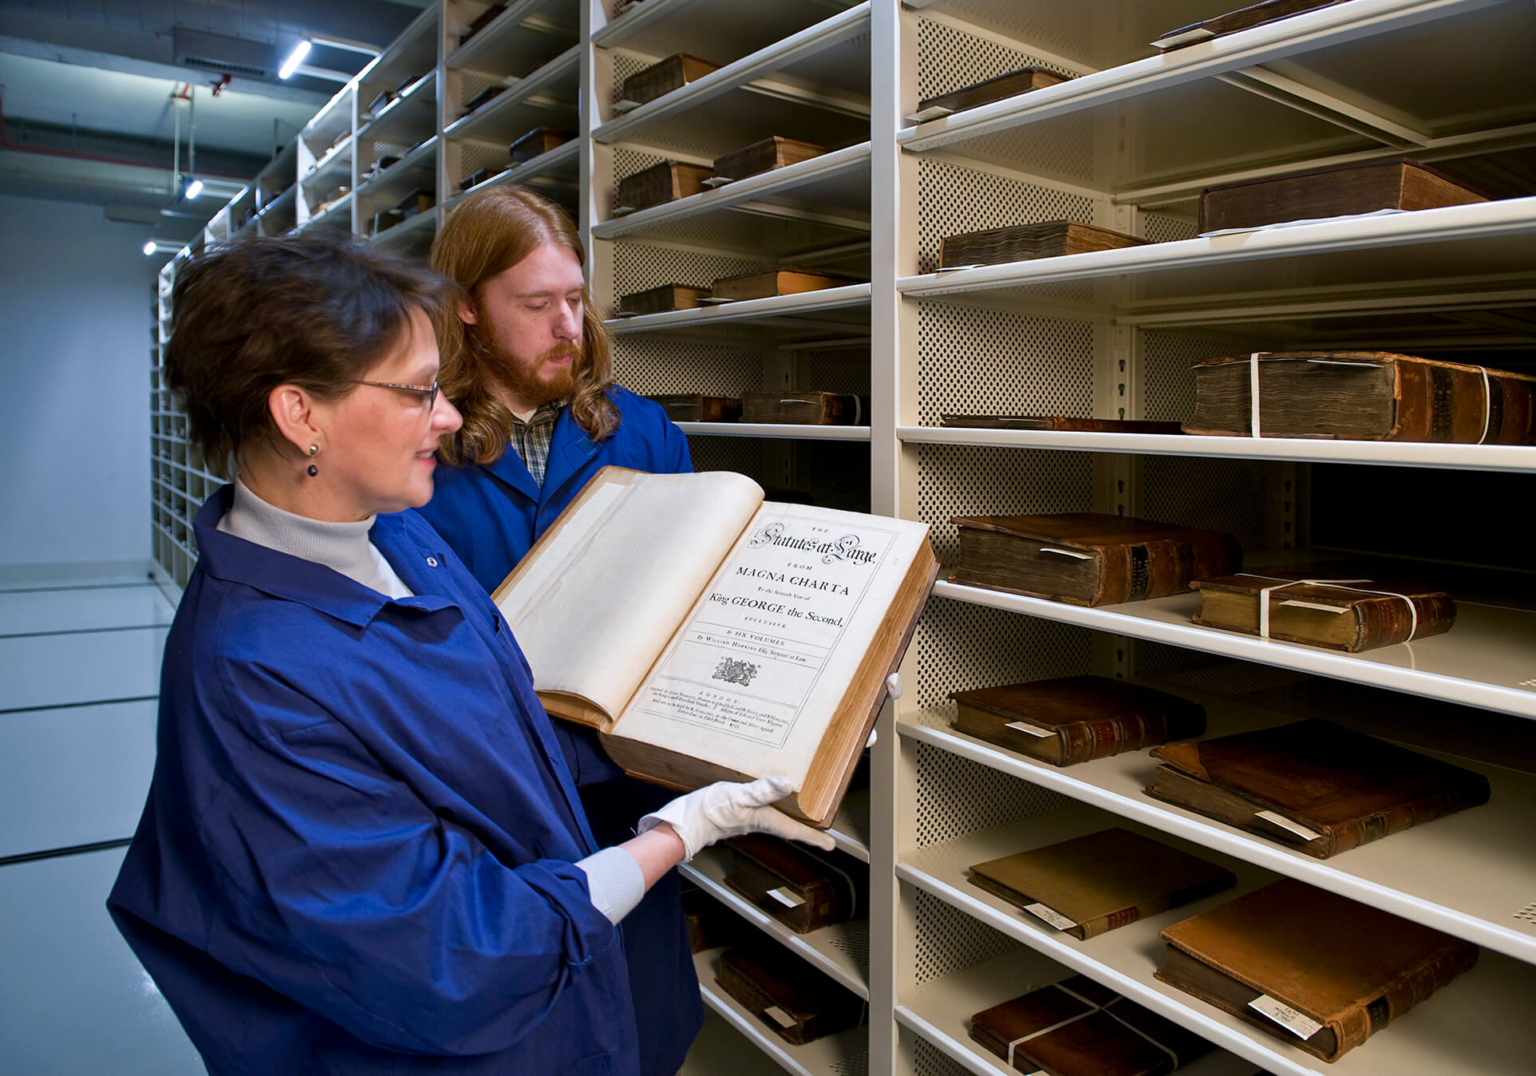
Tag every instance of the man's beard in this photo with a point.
(521, 377)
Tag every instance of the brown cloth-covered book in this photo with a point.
(1076, 719)
(1343, 614)
(1058, 422)
(1078, 1027)
(664, 76)
(1333, 970)
(1093, 884)
(1089, 558)
(536, 143)
(765, 156)
(806, 408)
(1330, 192)
(1313, 777)
(1027, 242)
(1241, 19)
(800, 1003)
(803, 888)
(992, 89)
(1363, 396)
(658, 184)
(694, 407)
(662, 300)
(777, 282)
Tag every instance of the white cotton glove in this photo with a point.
(727, 809)
(893, 689)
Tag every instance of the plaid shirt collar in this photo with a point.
(531, 439)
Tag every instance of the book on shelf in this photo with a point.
(1339, 190)
(664, 76)
(484, 97)
(710, 924)
(418, 201)
(806, 408)
(803, 888)
(798, 1002)
(993, 89)
(662, 300)
(1075, 719)
(1089, 885)
(536, 143)
(1362, 396)
(1028, 242)
(1078, 1027)
(1349, 614)
(709, 635)
(776, 282)
(1321, 971)
(693, 407)
(474, 179)
(1313, 786)
(1058, 422)
(485, 18)
(765, 156)
(1089, 558)
(659, 184)
(1242, 19)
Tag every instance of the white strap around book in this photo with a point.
(1342, 584)
(1092, 1008)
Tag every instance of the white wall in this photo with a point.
(75, 294)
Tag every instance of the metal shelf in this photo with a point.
(708, 28)
(557, 167)
(416, 169)
(546, 98)
(812, 314)
(408, 118)
(406, 232)
(775, 431)
(527, 34)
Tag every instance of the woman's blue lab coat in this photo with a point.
(357, 852)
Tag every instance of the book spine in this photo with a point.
(1384, 620)
(1156, 905)
(1444, 404)
(1373, 827)
(1359, 1022)
(1157, 569)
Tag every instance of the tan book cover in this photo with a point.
(1351, 615)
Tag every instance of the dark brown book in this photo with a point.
(805, 408)
(536, 143)
(710, 925)
(418, 201)
(485, 96)
(658, 184)
(1363, 396)
(1350, 615)
(1058, 422)
(1346, 969)
(474, 179)
(765, 156)
(693, 407)
(662, 300)
(1241, 19)
(800, 1003)
(488, 16)
(777, 282)
(1076, 719)
(386, 219)
(1027, 242)
(1094, 884)
(663, 77)
(992, 89)
(1330, 192)
(379, 103)
(800, 887)
(1079, 1028)
(1089, 558)
(1313, 777)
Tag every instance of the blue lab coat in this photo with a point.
(357, 855)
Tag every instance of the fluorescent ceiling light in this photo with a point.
(194, 189)
(149, 247)
(296, 57)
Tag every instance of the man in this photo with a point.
(529, 366)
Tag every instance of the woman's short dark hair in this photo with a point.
(317, 309)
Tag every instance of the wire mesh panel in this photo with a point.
(929, 1060)
(973, 361)
(956, 797)
(637, 267)
(948, 940)
(953, 200)
(956, 480)
(1167, 385)
(948, 59)
(961, 646)
(1166, 227)
(656, 367)
(1234, 496)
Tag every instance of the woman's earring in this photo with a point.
(314, 450)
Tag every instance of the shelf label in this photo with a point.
(1286, 824)
(1050, 915)
(1032, 730)
(1303, 1027)
(786, 896)
(779, 1016)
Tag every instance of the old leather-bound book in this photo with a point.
(694, 407)
(660, 183)
(1318, 970)
(474, 179)
(1330, 192)
(710, 924)
(1347, 614)
(665, 76)
(1078, 1027)
(806, 408)
(1026, 242)
(800, 1003)
(1058, 422)
(661, 300)
(1241, 19)
(992, 89)
(800, 887)
(765, 156)
(1089, 558)
(1313, 785)
(536, 143)
(777, 282)
(1076, 719)
(1093, 884)
(1363, 396)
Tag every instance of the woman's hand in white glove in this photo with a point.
(727, 809)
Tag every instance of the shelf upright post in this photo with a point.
(447, 155)
(595, 168)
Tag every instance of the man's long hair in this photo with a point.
(491, 231)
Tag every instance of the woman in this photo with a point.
(362, 850)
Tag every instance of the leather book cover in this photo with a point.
(992, 89)
(802, 888)
(692, 407)
(661, 300)
(1058, 422)
(765, 156)
(1346, 968)
(777, 282)
(805, 408)
(1330, 192)
(1347, 788)
(1364, 396)
(536, 143)
(1350, 616)
(1079, 1028)
(664, 76)
(1027, 242)
(710, 924)
(1089, 558)
(1101, 881)
(658, 184)
(1241, 19)
(1075, 719)
(800, 1003)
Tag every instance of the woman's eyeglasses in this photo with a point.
(428, 392)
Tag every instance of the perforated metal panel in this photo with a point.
(1216, 494)
(954, 480)
(1168, 387)
(929, 1060)
(637, 267)
(949, 940)
(654, 367)
(739, 454)
(474, 156)
(956, 797)
(855, 1064)
(962, 646)
(854, 942)
(473, 82)
(831, 370)
(953, 200)
(625, 64)
(1166, 228)
(948, 59)
(973, 361)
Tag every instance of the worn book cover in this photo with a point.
(806, 408)
(536, 143)
(664, 76)
(662, 300)
(1089, 558)
(1241, 19)
(1058, 422)
(1026, 242)
(659, 184)
(777, 282)
(993, 89)
(765, 156)
(1075, 719)
(1318, 970)
(1346, 614)
(1093, 884)
(800, 1003)
(1078, 1027)
(694, 407)
(1314, 786)
(804, 888)
(1362, 396)
(1336, 191)
(710, 635)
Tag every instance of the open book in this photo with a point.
(712, 636)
